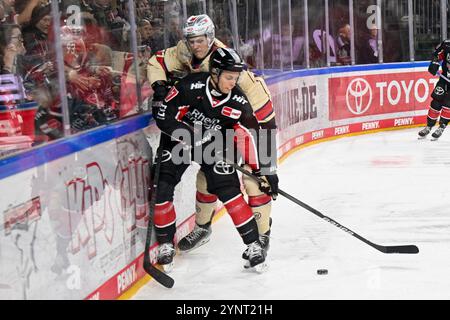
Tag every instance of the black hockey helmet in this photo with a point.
(225, 59)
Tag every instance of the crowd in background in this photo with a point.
(101, 72)
(102, 75)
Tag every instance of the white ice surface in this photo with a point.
(389, 187)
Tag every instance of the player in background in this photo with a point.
(192, 55)
(440, 105)
(213, 102)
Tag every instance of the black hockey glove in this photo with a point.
(160, 90)
(270, 184)
(433, 68)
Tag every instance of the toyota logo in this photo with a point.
(223, 168)
(357, 102)
(439, 91)
(166, 156)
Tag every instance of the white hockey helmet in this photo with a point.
(200, 25)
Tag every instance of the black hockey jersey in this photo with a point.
(442, 53)
(194, 102)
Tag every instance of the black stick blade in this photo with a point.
(159, 276)
(408, 249)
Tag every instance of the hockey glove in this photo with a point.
(269, 185)
(433, 68)
(160, 89)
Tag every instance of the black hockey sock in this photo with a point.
(430, 122)
(249, 231)
(165, 234)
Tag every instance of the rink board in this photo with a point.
(74, 216)
(312, 107)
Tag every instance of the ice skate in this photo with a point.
(424, 132)
(196, 238)
(166, 252)
(257, 257)
(438, 132)
(265, 243)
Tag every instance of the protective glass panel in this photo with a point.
(30, 107)
(395, 30)
(298, 34)
(249, 33)
(366, 31)
(427, 27)
(340, 32)
(317, 33)
(271, 35)
(286, 35)
(221, 14)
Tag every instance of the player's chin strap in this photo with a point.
(385, 249)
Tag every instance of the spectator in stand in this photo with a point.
(24, 9)
(368, 47)
(11, 46)
(36, 36)
(148, 37)
(343, 45)
(174, 33)
(116, 27)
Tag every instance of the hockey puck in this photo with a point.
(322, 271)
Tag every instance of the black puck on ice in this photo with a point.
(322, 271)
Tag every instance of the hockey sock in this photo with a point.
(242, 216)
(165, 225)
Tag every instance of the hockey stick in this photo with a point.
(443, 77)
(410, 249)
(154, 272)
(384, 249)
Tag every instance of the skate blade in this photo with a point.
(246, 264)
(194, 247)
(167, 267)
(434, 139)
(421, 138)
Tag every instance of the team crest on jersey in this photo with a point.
(231, 113)
(172, 94)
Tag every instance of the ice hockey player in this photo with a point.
(215, 102)
(440, 105)
(193, 55)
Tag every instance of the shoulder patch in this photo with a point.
(172, 94)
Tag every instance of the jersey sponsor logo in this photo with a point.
(198, 117)
(172, 94)
(239, 99)
(166, 156)
(439, 91)
(197, 85)
(231, 113)
(222, 168)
